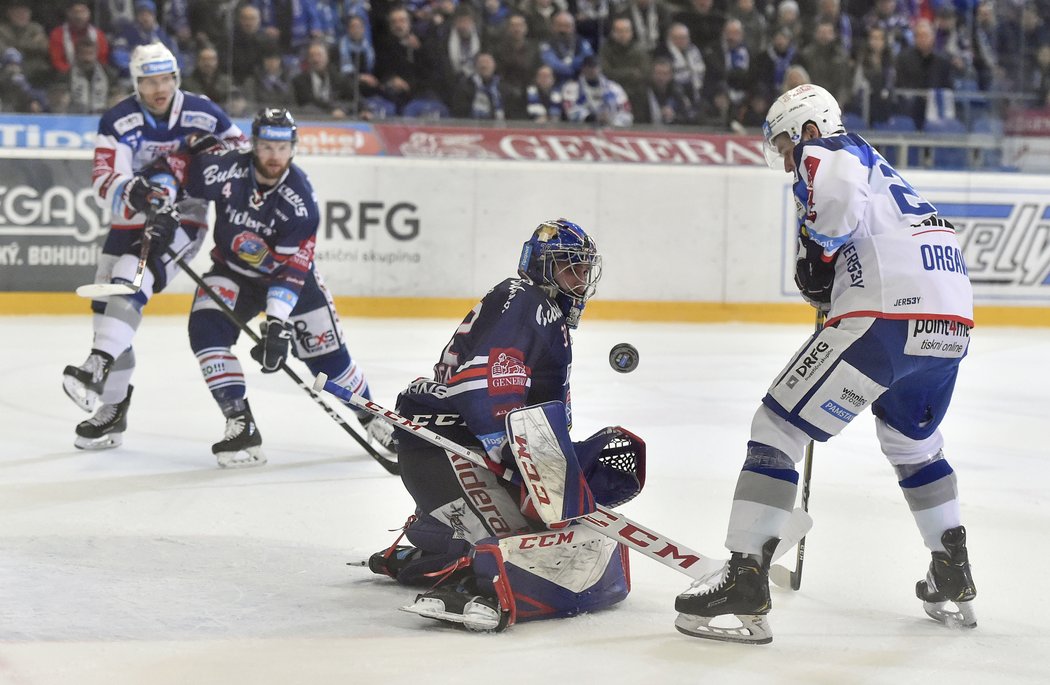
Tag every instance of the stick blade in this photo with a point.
(319, 381)
(96, 290)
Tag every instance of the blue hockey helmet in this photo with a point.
(275, 123)
(562, 260)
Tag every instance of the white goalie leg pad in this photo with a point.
(555, 573)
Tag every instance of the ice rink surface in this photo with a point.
(148, 564)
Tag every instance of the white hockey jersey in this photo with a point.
(896, 259)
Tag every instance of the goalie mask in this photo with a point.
(792, 111)
(562, 260)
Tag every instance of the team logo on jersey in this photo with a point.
(507, 372)
(250, 248)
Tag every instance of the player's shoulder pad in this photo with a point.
(121, 118)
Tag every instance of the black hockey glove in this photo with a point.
(162, 230)
(813, 276)
(196, 143)
(272, 350)
(139, 193)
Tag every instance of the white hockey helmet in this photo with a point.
(793, 110)
(152, 59)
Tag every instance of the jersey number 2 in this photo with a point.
(901, 191)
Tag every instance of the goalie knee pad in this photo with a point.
(553, 574)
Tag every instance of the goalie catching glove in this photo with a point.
(272, 350)
(814, 275)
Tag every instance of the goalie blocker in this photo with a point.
(504, 552)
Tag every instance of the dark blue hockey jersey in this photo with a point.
(260, 232)
(512, 350)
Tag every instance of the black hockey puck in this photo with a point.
(623, 358)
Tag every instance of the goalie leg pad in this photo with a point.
(553, 574)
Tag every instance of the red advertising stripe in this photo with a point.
(571, 145)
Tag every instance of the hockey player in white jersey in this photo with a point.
(874, 255)
(156, 121)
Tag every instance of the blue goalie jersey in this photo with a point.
(512, 350)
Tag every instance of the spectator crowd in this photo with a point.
(717, 63)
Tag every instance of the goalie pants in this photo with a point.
(317, 339)
(905, 370)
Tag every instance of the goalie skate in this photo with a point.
(948, 591)
(459, 604)
(105, 429)
(731, 604)
(241, 445)
(83, 384)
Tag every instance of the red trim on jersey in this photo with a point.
(477, 372)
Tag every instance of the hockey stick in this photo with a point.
(605, 521)
(781, 575)
(389, 464)
(97, 290)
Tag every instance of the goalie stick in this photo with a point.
(781, 575)
(97, 290)
(389, 464)
(606, 521)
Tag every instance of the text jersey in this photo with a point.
(512, 350)
(130, 138)
(896, 260)
(261, 232)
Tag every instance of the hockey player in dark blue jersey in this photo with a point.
(512, 350)
(139, 130)
(263, 261)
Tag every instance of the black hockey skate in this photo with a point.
(390, 561)
(461, 603)
(106, 428)
(949, 581)
(242, 444)
(740, 589)
(83, 384)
